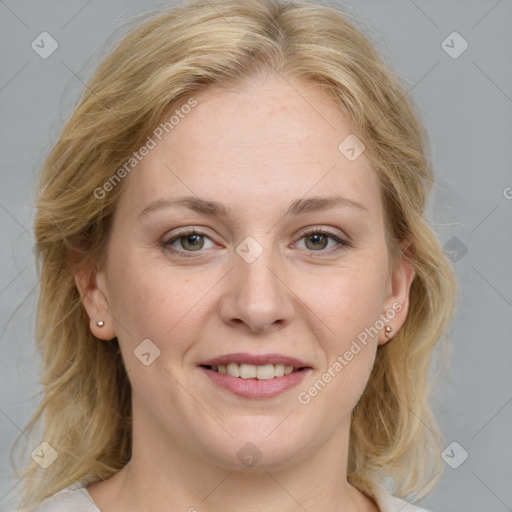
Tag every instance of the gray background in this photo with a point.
(466, 104)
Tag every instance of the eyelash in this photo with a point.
(166, 244)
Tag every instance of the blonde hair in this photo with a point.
(170, 56)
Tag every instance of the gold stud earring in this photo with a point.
(388, 330)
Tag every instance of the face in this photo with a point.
(287, 265)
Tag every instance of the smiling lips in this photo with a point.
(255, 376)
(261, 367)
(251, 371)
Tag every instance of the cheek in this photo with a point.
(350, 307)
(152, 300)
(350, 310)
(351, 300)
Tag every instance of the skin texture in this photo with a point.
(255, 151)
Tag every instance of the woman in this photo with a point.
(240, 295)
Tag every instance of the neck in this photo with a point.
(165, 476)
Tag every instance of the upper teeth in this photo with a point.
(251, 371)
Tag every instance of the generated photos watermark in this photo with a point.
(305, 397)
(150, 144)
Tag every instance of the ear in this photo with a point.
(396, 301)
(91, 285)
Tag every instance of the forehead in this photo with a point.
(256, 148)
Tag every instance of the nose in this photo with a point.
(258, 296)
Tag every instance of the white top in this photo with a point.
(76, 498)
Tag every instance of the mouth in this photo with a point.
(255, 376)
(251, 371)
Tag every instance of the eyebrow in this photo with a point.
(214, 208)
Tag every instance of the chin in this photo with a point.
(254, 450)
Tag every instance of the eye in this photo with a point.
(318, 240)
(191, 240)
(187, 241)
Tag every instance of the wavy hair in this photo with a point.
(86, 412)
